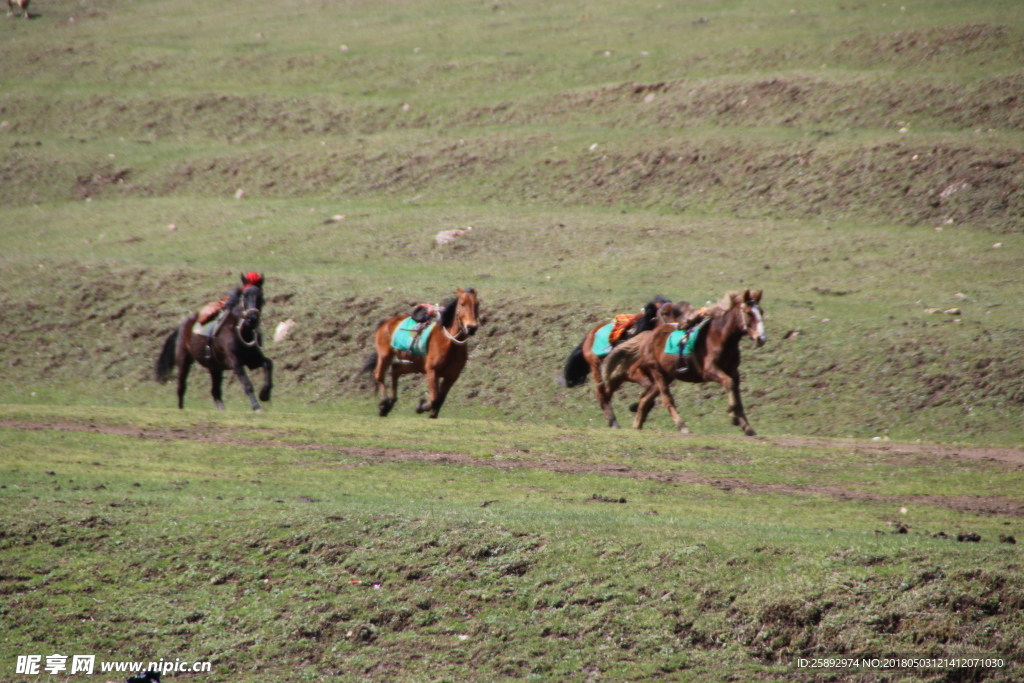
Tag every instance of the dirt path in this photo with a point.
(988, 505)
(1011, 456)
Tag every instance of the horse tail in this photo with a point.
(577, 369)
(369, 365)
(165, 363)
(617, 364)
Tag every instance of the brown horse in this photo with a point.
(715, 358)
(583, 362)
(235, 343)
(446, 353)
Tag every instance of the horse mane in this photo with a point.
(648, 318)
(726, 303)
(234, 297)
(448, 311)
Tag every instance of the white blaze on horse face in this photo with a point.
(758, 332)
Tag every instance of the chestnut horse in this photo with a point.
(715, 358)
(583, 362)
(446, 353)
(236, 343)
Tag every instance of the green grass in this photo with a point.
(858, 162)
(183, 548)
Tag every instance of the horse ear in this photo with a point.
(459, 291)
(755, 295)
(243, 278)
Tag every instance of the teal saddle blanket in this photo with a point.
(682, 342)
(406, 338)
(602, 345)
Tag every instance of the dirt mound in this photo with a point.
(909, 180)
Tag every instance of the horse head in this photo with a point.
(749, 302)
(468, 310)
(463, 308)
(250, 303)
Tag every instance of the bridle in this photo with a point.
(243, 318)
(755, 309)
(462, 328)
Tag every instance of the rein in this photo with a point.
(255, 335)
(462, 328)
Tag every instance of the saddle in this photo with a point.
(622, 323)
(425, 313)
(684, 340)
(210, 311)
(412, 336)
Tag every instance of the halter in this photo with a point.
(255, 335)
(241, 322)
(462, 328)
(756, 309)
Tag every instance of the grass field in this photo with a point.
(859, 162)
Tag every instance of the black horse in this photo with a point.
(231, 341)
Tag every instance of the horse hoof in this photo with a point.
(633, 407)
(613, 424)
(258, 410)
(265, 395)
(384, 407)
(685, 430)
(749, 431)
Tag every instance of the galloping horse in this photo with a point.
(715, 358)
(583, 361)
(232, 341)
(445, 353)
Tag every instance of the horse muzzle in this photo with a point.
(761, 340)
(471, 329)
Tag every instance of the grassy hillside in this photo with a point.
(855, 162)
(862, 163)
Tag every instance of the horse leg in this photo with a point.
(430, 400)
(670, 404)
(644, 405)
(184, 365)
(604, 394)
(731, 383)
(736, 412)
(216, 382)
(268, 379)
(247, 385)
(379, 373)
(442, 390)
(645, 383)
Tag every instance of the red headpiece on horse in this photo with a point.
(251, 280)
